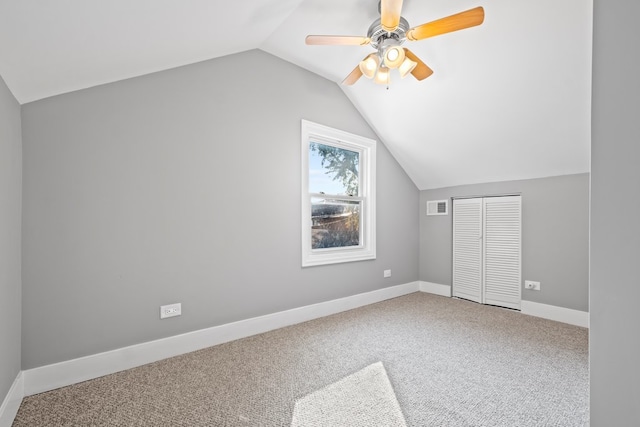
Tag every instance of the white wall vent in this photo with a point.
(438, 207)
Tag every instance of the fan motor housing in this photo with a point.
(378, 35)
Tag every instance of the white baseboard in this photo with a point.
(435, 288)
(69, 372)
(49, 377)
(552, 312)
(11, 403)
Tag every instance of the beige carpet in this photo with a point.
(363, 399)
(450, 362)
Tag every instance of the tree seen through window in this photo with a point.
(335, 221)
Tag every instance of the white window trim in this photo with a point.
(367, 149)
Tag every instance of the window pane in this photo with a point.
(334, 223)
(333, 170)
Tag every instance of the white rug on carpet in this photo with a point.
(363, 399)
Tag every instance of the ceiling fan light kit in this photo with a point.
(369, 65)
(393, 56)
(388, 33)
(387, 58)
(406, 67)
(382, 76)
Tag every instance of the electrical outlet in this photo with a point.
(170, 310)
(387, 273)
(530, 284)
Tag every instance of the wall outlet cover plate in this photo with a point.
(170, 310)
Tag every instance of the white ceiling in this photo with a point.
(509, 99)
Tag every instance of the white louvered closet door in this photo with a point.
(487, 250)
(502, 249)
(467, 249)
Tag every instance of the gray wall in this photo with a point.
(615, 206)
(10, 236)
(555, 236)
(184, 186)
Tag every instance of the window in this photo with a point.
(338, 196)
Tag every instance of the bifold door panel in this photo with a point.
(502, 251)
(467, 249)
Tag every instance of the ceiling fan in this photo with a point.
(388, 33)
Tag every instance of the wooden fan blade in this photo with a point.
(459, 21)
(422, 71)
(353, 76)
(390, 14)
(337, 40)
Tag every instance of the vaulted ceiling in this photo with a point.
(509, 99)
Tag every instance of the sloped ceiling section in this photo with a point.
(53, 47)
(508, 100)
